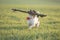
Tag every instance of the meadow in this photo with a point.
(13, 25)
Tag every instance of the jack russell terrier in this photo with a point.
(33, 21)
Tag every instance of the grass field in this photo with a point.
(13, 25)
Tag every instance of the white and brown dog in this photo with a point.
(33, 21)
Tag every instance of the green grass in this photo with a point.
(13, 25)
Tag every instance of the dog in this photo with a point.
(33, 20)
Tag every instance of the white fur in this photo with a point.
(33, 21)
